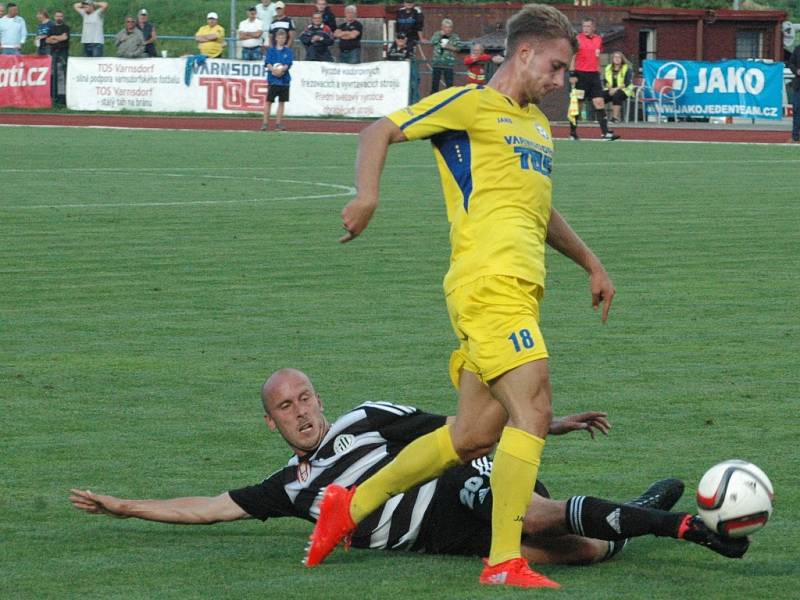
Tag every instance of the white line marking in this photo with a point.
(345, 190)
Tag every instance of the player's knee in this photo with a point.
(475, 445)
(588, 551)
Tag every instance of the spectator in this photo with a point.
(92, 31)
(210, 38)
(265, 11)
(58, 44)
(794, 66)
(585, 76)
(281, 21)
(446, 45)
(409, 22)
(278, 62)
(618, 83)
(251, 30)
(318, 39)
(13, 31)
(130, 41)
(400, 50)
(42, 31)
(349, 36)
(2, 10)
(476, 63)
(328, 18)
(148, 33)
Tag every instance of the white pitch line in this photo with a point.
(345, 190)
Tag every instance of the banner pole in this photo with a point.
(232, 48)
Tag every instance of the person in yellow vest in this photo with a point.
(210, 38)
(618, 84)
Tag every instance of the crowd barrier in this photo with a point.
(232, 86)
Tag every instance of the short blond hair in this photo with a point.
(538, 22)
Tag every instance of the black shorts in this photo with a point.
(278, 92)
(589, 82)
(459, 518)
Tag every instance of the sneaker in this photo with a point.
(663, 495)
(574, 137)
(517, 573)
(265, 127)
(280, 127)
(692, 529)
(333, 526)
(613, 120)
(609, 137)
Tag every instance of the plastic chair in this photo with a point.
(660, 94)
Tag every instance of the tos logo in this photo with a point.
(234, 93)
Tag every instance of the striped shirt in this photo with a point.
(357, 445)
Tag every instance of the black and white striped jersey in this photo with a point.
(356, 446)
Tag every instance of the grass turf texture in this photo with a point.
(153, 279)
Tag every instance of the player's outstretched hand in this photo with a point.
(590, 421)
(602, 290)
(97, 504)
(356, 216)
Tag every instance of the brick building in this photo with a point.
(641, 33)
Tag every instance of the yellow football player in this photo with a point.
(494, 151)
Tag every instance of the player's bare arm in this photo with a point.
(373, 145)
(561, 237)
(196, 510)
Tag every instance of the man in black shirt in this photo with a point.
(328, 18)
(448, 515)
(281, 21)
(58, 44)
(349, 35)
(409, 22)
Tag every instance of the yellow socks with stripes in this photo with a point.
(516, 464)
(422, 460)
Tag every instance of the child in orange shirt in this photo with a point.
(476, 64)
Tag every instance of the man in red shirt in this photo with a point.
(585, 76)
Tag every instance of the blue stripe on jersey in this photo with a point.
(435, 108)
(455, 149)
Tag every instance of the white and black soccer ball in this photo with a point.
(734, 498)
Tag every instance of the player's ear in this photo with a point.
(270, 423)
(319, 399)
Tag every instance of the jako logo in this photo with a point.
(737, 80)
(677, 73)
(17, 76)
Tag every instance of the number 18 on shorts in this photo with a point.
(496, 320)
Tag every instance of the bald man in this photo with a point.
(448, 515)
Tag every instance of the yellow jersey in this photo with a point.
(214, 48)
(495, 159)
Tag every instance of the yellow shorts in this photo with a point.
(496, 319)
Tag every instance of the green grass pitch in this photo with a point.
(151, 280)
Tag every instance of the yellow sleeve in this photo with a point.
(453, 109)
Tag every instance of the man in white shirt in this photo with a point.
(13, 31)
(92, 32)
(251, 30)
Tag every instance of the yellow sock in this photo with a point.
(422, 460)
(516, 464)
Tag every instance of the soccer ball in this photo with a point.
(734, 498)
